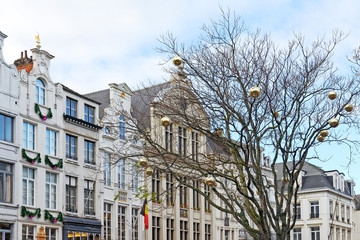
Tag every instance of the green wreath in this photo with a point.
(25, 212)
(49, 216)
(53, 166)
(29, 159)
(43, 117)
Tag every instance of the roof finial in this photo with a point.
(37, 38)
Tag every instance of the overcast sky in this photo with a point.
(99, 42)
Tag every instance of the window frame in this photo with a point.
(71, 145)
(88, 117)
(71, 194)
(27, 234)
(182, 141)
(89, 197)
(107, 221)
(107, 169)
(135, 223)
(170, 228)
(4, 131)
(155, 228)
(195, 145)
(297, 234)
(169, 138)
(122, 222)
(28, 198)
(70, 109)
(7, 176)
(50, 231)
(121, 172)
(135, 177)
(29, 137)
(40, 92)
(314, 209)
(315, 233)
(122, 127)
(89, 155)
(51, 142)
(155, 184)
(49, 190)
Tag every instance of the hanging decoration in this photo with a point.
(43, 117)
(29, 159)
(49, 216)
(332, 95)
(349, 107)
(53, 166)
(25, 212)
(254, 92)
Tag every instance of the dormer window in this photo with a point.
(40, 92)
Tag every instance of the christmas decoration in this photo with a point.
(43, 117)
(29, 159)
(53, 166)
(49, 216)
(25, 212)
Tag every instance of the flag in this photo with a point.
(144, 212)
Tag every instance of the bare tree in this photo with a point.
(237, 94)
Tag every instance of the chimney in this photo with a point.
(24, 62)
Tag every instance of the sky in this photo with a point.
(100, 42)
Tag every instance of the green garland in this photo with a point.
(53, 166)
(49, 216)
(29, 159)
(38, 111)
(30, 214)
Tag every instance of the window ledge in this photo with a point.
(108, 187)
(10, 205)
(89, 165)
(90, 216)
(72, 213)
(11, 144)
(75, 162)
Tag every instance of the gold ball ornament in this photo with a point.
(276, 114)
(320, 138)
(349, 107)
(143, 162)
(332, 95)
(334, 122)
(210, 181)
(165, 121)
(177, 61)
(254, 92)
(149, 171)
(324, 133)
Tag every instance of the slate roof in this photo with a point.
(314, 178)
(103, 97)
(65, 88)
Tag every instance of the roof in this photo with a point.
(357, 202)
(141, 100)
(103, 97)
(65, 88)
(308, 168)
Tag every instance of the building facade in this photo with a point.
(9, 146)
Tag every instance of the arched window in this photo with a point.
(40, 92)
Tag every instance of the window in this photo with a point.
(297, 211)
(121, 127)
(314, 209)
(135, 175)
(349, 235)
(207, 193)
(107, 169)
(342, 212)
(50, 233)
(183, 195)
(134, 224)
(5, 231)
(337, 211)
(156, 185)
(315, 233)
(40, 92)
(170, 229)
(107, 221)
(71, 194)
(207, 232)
(50, 142)
(183, 230)
(5, 182)
(348, 214)
(343, 234)
(196, 195)
(155, 228)
(6, 128)
(297, 233)
(71, 148)
(28, 232)
(121, 174)
(50, 190)
(89, 200)
(169, 189)
(182, 141)
(28, 186)
(195, 146)
(331, 209)
(169, 138)
(71, 106)
(28, 136)
(89, 113)
(121, 223)
(89, 148)
(196, 231)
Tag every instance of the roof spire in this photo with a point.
(37, 39)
